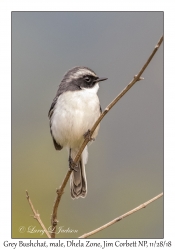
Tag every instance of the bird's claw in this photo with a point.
(88, 136)
(72, 164)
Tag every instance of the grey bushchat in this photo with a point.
(72, 114)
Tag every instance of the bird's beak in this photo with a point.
(101, 79)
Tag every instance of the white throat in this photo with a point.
(93, 90)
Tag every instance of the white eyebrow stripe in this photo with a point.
(82, 72)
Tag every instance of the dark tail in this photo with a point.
(78, 183)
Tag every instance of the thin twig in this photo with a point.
(76, 159)
(121, 217)
(59, 191)
(36, 215)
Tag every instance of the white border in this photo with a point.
(5, 92)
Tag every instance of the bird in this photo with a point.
(73, 112)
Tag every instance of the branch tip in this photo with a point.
(27, 194)
(139, 78)
(36, 215)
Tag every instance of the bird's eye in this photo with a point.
(87, 78)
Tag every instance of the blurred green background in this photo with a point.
(125, 166)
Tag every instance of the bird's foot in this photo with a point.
(88, 136)
(72, 164)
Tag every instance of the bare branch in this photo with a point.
(36, 215)
(59, 191)
(121, 217)
(107, 109)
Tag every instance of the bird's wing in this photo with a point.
(51, 110)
